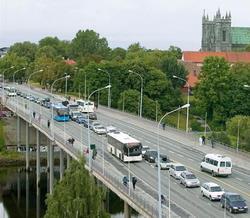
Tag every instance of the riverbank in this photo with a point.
(17, 159)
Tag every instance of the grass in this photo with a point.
(2, 141)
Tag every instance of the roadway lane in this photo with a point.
(189, 199)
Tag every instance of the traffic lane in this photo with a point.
(190, 201)
(189, 154)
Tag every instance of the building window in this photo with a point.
(224, 35)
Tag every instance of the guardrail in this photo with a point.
(140, 200)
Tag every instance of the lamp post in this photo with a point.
(97, 90)
(158, 157)
(24, 68)
(30, 87)
(187, 98)
(109, 98)
(66, 84)
(51, 92)
(141, 89)
(3, 80)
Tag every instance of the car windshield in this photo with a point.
(99, 127)
(216, 189)
(191, 176)
(164, 159)
(235, 198)
(145, 148)
(180, 168)
(153, 153)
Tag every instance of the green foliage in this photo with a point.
(221, 137)
(195, 126)
(248, 48)
(241, 124)
(175, 51)
(211, 91)
(76, 195)
(25, 50)
(87, 43)
(2, 141)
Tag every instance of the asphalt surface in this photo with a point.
(185, 202)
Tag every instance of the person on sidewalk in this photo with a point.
(200, 140)
(48, 123)
(203, 140)
(163, 126)
(134, 181)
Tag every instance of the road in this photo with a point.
(186, 202)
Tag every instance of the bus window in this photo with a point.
(215, 163)
(207, 160)
(228, 164)
(222, 164)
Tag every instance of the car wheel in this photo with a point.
(230, 209)
(185, 185)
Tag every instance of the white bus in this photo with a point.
(124, 147)
(86, 106)
(217, 164)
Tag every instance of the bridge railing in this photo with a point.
(146, 201)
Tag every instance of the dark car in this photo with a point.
(85, 123)
(150, 156)
(81, 120)
(233, 202)
(92, 116)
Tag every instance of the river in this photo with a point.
(19, 197)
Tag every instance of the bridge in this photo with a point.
(181, 147)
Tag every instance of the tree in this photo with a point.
(241, 124)
(248, 48)
(212, 90)
(25, 50)
(175, 51)
(76, 195)
(88, 42)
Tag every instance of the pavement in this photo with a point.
(240, 159)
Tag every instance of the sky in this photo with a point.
(155, 24)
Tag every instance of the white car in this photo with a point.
(99, 129)
(176, 169)
(110, 129)
(144, 149)
(212, 191)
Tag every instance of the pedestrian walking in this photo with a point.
(163, 126)
(39, 118)
(203, 140)
(125, 180)
(34, 114)
(200, 140)
(134, 181)
(212, 143)
(48, 123)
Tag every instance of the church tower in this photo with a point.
(216, 33)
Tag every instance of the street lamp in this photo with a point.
(66, 84)
(97, 90)
(51, 92)
(141, 89)
(187, 98)
(158, 157)
(109, 99)
(30, 88)
(24, 68)
(3, 77)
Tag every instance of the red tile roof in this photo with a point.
(70, 62)
(192, 79)
(231, 57)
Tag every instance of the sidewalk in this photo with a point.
(239, 159)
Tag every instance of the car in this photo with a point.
(212, 191)
(188, 179)
(75, 114)
(150, 155)
(85, 123)
(80, 119)
(176, 169)
(110, 129)
(144, 149)
(99, 129)
(94, 123)
(233, 202)
(165, 162)
(92, 116)
(11, 94)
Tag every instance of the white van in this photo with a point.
(86, 106)
(217, 164)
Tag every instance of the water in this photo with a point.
(19, 197)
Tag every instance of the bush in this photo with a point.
(221, 137)
(196, 126)
(2, 142)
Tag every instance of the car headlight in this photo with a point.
(235, 207)
(245, 207)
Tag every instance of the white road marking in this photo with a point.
(147, 141)
(180, 155)
(171, 152)
(190, 159)
(238, 179)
